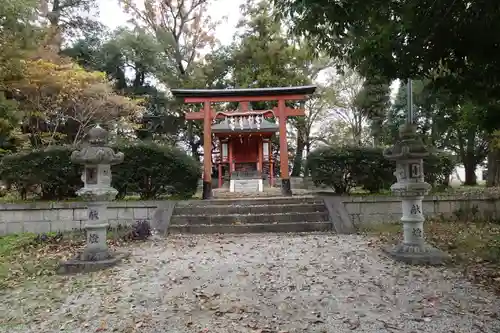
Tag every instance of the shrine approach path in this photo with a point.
(254, 283)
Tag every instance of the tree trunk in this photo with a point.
(470, 170)
(308, 150)
(493, 178)
(194, 149)
(54, 35)
(376, 130)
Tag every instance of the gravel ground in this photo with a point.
(254, 283)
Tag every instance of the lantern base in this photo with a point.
(417, 254)
(85, 262)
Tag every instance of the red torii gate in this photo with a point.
(244, 96)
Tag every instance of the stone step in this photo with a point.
(252, 228)
(254, 208)
(251, 201)
(246, 189)
(248, 219)
(246, 181)
(246, 185)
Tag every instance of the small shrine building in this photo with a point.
(243, 136)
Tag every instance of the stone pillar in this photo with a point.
(411, 188)
(97, 159)
(96, 227)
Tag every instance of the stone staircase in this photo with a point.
(246, 185)
(293, 214)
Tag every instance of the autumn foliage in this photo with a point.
(54, 95)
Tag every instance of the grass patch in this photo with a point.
(22, 258)
(26, 257)
(474, 247)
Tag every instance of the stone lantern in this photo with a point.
(408, 153)
(97, 159)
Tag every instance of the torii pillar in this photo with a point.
(207, 151)
(286, 187)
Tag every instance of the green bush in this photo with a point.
(343, 168)
(371, 170)
(46, 174)
(438, 168)
(152, 170)
(148, 170)
(331, 167)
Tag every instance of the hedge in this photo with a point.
(343, 168)
(149, 170)
(152, 170)
(46, 174)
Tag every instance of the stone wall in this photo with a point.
(40, 217)
(384, 209)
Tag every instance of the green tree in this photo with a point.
(67, 18)
(373, 101)
(137, 53)
(17, 36)
(410, 39)
(444, 121)
(447, 42)
(265, 55)
(341, 96)
(183, 30)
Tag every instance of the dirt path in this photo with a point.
(254, 283)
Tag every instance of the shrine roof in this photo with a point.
(224, 127)
(244, 92)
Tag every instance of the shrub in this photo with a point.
(47, 174)
(343, 168)
(140, 230)
(438, 168)
(371, 170)
(331, 167)
(152, 170)
(149, 170)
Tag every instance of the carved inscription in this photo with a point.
(415, 209)
(93, 215)
(415, 171)
(417, 232)
(93, 238)
(91, 175)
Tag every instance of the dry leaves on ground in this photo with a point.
(474, 246)
(25, 257)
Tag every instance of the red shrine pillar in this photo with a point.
(230, 148)
(286, 188)
(207, 151)
(260, 157)
(219, 165)
(271, 166)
